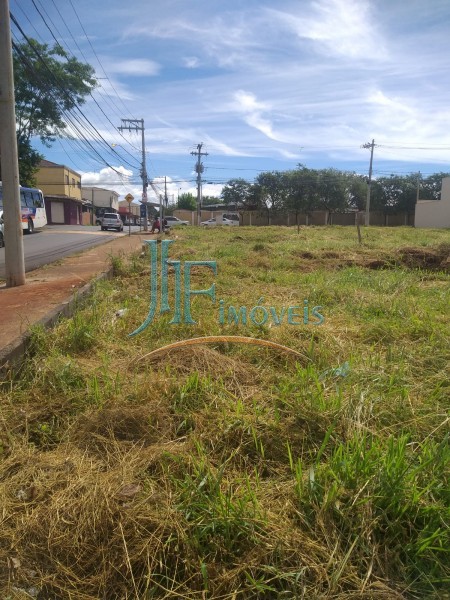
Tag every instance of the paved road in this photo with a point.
(57, 241)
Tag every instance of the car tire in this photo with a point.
(30, 227)
(103, 228)
(2, 240)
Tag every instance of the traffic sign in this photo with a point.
(129, 198)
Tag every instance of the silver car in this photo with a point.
(111, 221)
(173, 221)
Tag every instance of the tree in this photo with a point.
(301, 190)
(187, 202)
(395, 193)
(356, 190)
(238, 192)
(208, 200)
(48, 84)
(430, 187)
(332, 190)
(271, 191)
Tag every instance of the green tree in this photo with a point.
(48, 84)
(430, 187)
(356, 190)
(207, 200)
(271, 191)
(237, 191)
(301, 190)
(187, 202)
(332, 190)
(395, 193)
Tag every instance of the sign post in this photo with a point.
(144, 204)
(129, 198)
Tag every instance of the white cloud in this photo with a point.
(338, 27)
(252, 110)
(380, 99)
(137, 67)
(191, 62)
(117, 179)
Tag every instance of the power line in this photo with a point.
(96, 56)
(67, 53)
(64, 93)
(25, 61)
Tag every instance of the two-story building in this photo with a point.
(100, 200)
(61, 187)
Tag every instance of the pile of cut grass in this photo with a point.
(235, 471)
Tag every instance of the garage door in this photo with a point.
(57, 212)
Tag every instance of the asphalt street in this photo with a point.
(57, 241)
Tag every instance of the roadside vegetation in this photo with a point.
(233, 471)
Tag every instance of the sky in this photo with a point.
(263, 85)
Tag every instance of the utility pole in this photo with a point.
(138, 125)
(199, 170)
(93, 218)
(14, 257)
(370, 145)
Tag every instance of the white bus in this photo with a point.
(32, 208)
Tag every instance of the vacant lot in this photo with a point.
(315, 466)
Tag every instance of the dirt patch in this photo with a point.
(425, 258)
(430, 259)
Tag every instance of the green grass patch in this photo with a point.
(232, 470)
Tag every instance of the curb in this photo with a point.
(13, 354)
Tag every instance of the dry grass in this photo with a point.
(232, 471)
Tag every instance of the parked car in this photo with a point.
(229, 219)
(209, 223)
(173, 221)
(111, 221)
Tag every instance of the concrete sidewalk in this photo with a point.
(50, 291)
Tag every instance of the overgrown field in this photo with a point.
(236, 471)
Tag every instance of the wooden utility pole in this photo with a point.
(199, 170)
(370, 145)
(14, 257)
(138, 125)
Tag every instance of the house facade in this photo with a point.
(61, 187)
(100, 200)
(129, 211)
(435, 213)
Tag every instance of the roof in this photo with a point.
(49, 164)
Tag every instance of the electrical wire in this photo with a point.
(67, 53)
(64, 93)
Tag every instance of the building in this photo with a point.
(129, 211)
(61, 187)
(435, 213)
(100, 200)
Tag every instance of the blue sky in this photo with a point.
(264, 85)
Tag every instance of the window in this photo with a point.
(37, 200)
(67, 179)
(73, 182)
